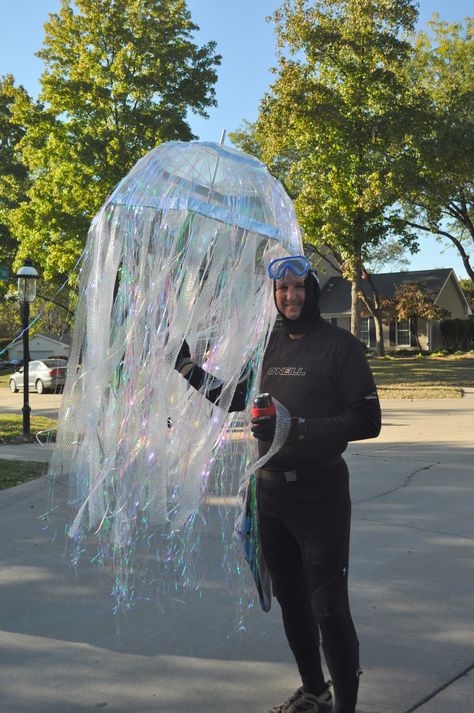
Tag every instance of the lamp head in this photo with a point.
(27, 278)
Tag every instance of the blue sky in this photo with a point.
(247, 44)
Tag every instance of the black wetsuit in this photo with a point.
(324, 378)
(303, 494)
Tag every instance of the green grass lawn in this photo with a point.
(11, 429)
(4, 377)
(11, 432)
(15, 472)
(423, 377)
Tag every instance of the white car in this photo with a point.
(43, 375)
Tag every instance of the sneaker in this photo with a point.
(301, 702)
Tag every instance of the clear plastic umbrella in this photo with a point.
(178, 251)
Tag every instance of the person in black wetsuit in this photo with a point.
(319, 372)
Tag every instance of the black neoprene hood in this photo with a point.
(310, 314)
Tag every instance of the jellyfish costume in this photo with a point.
(178, 251)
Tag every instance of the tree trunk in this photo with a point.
(420, 350)
(356, 289)
(379, 333)
(355, 311)
(356, 282)
(414, 322)
(374, 307)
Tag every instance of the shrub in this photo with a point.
(462, 333)
(457, 333)
(448, 332)
(470, 328)
(404, 352)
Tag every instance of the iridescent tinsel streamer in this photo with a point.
(178, 251)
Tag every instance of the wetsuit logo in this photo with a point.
(286, 371)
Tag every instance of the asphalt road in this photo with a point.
(41, 404)
(63, 650)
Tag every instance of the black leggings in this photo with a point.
(304, 532)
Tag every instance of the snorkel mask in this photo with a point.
(297, 264)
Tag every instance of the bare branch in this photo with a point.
(464, 256)
(58, 304)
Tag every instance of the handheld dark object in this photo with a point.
(263, 406)
(263, 414)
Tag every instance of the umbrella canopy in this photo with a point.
(178, 251)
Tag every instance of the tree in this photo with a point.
(373, 303)
(10, 323)
(14, 180)
(337, 118)
(411, 301)
(438, 173)
(14, 183)
(388, 255)
(458, 333)
(120, 77)
(467, 287)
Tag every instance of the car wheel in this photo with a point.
(12, 386)
(39, 386)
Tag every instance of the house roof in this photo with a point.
(336, 293)
(65, 339)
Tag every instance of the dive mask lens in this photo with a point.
(297, 264)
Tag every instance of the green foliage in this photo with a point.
(246, 139)
(448, 332)
(411, 300)
(14, 180)
(56, 309)
(467, 287)
(10, 320)
(120, 77)
(470, 331)
(388, 254)
(337, 113)
(462, 332)
(458, 333)
(336, 119)
(438, 173)
(50, 313)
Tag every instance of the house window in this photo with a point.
(364, 330)
(333, 320)
(403, 333)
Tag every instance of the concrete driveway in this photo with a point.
(63, 650)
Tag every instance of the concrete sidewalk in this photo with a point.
(63, 650)
(30, 452)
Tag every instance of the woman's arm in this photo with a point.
(208, 385)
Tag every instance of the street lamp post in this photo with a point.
(27, 277)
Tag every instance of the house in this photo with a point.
(441, 286)
(42, 346)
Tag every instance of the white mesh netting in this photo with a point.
(178, 251)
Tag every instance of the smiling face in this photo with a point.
(290, 295)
